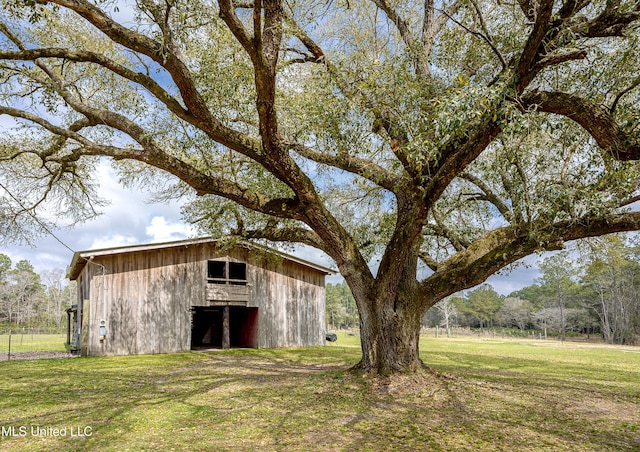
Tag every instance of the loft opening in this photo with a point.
(230, 273)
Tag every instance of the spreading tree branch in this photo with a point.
(595, 119)
(153, 155)
(432, 27)
(179, 72)
(364, 168)
(501, 247)
(533, 47)
(289, 234)
(458, 243)
(84, 56)
(399, 22)
(429, 261)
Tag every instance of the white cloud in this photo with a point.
(7, 123)
(127, 220)
(162, 230)
(41, 258)
(112, 241)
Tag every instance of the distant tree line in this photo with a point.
(30, 300)
(341, 310)
(594, 290)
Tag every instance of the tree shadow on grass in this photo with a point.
(289, 400)
(114, 395)
(510, 407)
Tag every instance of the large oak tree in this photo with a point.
(422, 145)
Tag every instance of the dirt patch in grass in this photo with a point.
(43, 354)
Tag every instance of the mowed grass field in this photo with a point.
(484, 395)
(19, 342)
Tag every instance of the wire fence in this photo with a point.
(32, 343)
(504, 333)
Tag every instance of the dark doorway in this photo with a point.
(243, 327)
(207, 327)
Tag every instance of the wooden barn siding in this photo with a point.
(149, 295)
(83, 291)
(291, 304)
(148, 299)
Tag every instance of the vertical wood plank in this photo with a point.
(226, 338)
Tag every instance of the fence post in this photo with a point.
(9, 351)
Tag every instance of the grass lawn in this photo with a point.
(25, 342)
(487, 395)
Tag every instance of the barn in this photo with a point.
(190, 294)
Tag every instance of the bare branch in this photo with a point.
(399, 22)
(630, 201)
(528, 8)
(611, 22)
(421, 56)
(430, 33)
(634, 84)
(458, 243)
(565, 28)
(305, 39)
(571, 7)
(229, 16)
(285, 234)
(486, 35)
(427, 20)
(552, 60)
(429, 261)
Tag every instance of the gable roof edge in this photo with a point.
(81, 258)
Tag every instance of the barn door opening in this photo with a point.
(208, 329)
(243, 327)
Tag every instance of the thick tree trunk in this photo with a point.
(390, 332)
(390, 315)
(389, 340)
